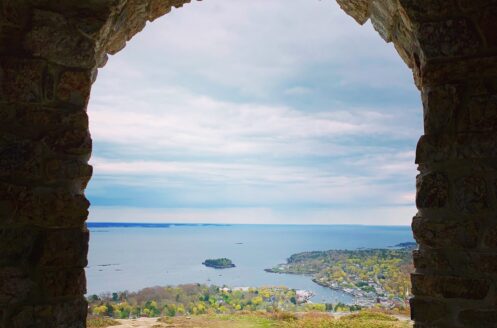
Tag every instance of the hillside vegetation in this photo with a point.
(196, 299)
(364, 319)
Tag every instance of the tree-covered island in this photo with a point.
(222, 263)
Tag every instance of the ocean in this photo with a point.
(134, 256)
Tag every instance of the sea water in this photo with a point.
(134, 256)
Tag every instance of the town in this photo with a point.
(374, 277)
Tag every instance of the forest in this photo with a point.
(194, 299)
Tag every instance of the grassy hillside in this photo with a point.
(100, 322)
(287, 320)
(365, 319)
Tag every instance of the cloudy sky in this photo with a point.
(255, 111)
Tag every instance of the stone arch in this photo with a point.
(50, 52)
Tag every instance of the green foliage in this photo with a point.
(196, 299)
(222, 263)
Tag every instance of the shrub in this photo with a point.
(100, 322)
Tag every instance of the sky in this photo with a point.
(255, 111)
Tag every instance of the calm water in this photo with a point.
(131, 258)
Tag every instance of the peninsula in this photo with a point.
(372, 276)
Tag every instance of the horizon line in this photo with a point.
(268, 224)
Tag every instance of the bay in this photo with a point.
(134, 256)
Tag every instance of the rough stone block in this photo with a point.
(476, 146)
(449, 261)
(31, 123)
(9, 40)
(449, 38)
(482, 263)
(404, 46)
(445, 233)
(428, 9)
(478, 318)
(28, 130)
(460, 70)
(475, 4)
(57, 169)
(71, 314)
(383, 16)
(71, 142)
(158, 8)
(14, 12)
(68, 314)
(488, 25)
(74, 87)
(31, 317)
(62, 283)
(22, 80)
(471, 194)
(15, 285)
(428, 310)
(44, 207)
(479, 114)
(449, 287)
(20, 160)
(357, 9)
(54, 38)
(132, 19)
(65, 248)
(18, 246)
(431, 260)
(439, 105)
(432, 190)
(434, 148)
(490, 238)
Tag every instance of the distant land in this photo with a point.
(409, 244)
(150, 225)
(172, 224)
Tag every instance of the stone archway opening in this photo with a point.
(50, 54)
(134, 116)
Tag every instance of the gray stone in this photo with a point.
(432, 190)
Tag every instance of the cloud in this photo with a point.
(254, 46)
(172, 119)
(224, 184)
(272, 109)
(298, 91)
(401, 215)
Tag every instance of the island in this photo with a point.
(223, 263)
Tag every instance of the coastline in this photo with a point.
(219, 267)
(156, 256)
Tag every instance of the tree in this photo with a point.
(257, 300)
(100, 310)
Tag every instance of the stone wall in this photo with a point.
(451, 46)
(50, 51)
